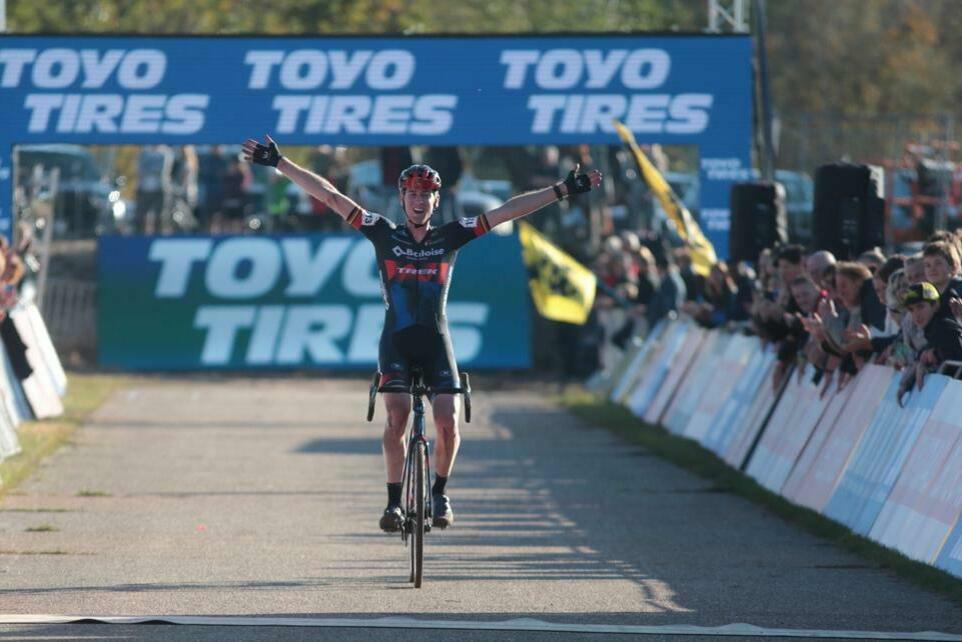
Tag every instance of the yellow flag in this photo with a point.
(702, 251)
(562, 288)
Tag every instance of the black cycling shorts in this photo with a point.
(416, 347)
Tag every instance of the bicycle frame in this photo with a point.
(417, 436)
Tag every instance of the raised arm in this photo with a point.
(524, 204)
(317, 186)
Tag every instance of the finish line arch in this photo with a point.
(425, 90)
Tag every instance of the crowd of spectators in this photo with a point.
(824, 317)
(206, 189)
(210, 190)
(651, 280)
(836, 316)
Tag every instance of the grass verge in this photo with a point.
(39, 439)
(690, 455)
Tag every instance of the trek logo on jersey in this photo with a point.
(437, 272)
(416, 254)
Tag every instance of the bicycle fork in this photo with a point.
(410, 477)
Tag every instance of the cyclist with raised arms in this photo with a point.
(416, 262)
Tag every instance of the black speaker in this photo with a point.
(849, 213)
(758, 219)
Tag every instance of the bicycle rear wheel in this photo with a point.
(418, 525)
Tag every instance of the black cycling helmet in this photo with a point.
(421, 177)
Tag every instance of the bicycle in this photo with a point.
(418, 507)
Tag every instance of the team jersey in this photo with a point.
(415, 277)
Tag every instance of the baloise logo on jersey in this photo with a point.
(279, 302)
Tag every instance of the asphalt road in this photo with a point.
(258, 499)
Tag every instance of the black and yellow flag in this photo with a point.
(702, 251)
(562, 288)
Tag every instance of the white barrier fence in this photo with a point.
(37, 396)
(889, 473)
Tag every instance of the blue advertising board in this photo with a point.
(677, 90)
(290, 302)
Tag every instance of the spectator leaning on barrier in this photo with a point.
(943, 332)
(910, 339)
(875, 340)
(765, 312)
(790, 265)
(720, 303)
(807, 296)
(853, 284)
(820, 266)
(846, 333)
(941, 261)
(880, 281)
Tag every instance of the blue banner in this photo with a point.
(681, 90)
(290, 302)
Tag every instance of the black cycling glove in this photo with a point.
(576, 184)
(266, 154)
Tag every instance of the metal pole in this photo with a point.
(767, 161)
(54, 187)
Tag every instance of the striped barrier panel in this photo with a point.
(788, 431)
(679, 367)
(9, 444)
(41, 387)
(44, 345)
(871, 473)
(926, 501)
(656, 367)
(9, 387)
(698, 379)
(891, 473)
(637, 361)
(609, 384)
(802, 474)
(754, 419)
(725, 375)
(731, 416)
(819, 484)
(14, 398)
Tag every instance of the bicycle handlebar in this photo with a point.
(420, 389)
(425, 390)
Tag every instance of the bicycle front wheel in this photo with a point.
(420, 513)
